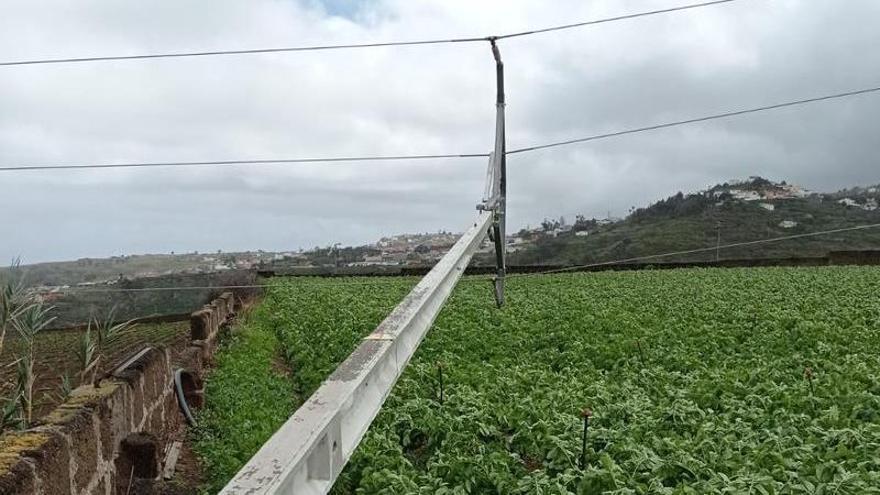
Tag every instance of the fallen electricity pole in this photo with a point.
(308, 452)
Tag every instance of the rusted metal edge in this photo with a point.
(306, 455)
(128, 362)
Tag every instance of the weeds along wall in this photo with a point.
(108, 439)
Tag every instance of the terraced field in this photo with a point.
(56, 355)
(698, 381)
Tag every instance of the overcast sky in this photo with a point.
(407, 100)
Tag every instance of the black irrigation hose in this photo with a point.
(181, 399)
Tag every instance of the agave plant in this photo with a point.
(13, 301)
(86, 351)
(94, 344)
(10, 414)
(24, 391)
(64, 389)
(28, 323)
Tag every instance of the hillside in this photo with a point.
(745, 211)
(99, 271)
(742, 211)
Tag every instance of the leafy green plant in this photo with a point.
(714, 402)
(28, 323)
(10, 413)
(65, 388)
(641, 352)
(93, 346)
(275, 359)
(13, 300)
(247, 400)
(86, 350)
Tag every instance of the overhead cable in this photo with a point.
(20, 168)
(309, 48)
(362, 281)
(237, 52)
(445, 156)
(694, 120)
(82, 289)
(703, 250)
(611, 19)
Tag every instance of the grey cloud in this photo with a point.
(408, 100)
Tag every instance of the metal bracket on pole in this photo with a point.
(495, 199)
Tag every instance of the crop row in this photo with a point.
(277, 356)
(700, 381)
(695, 381)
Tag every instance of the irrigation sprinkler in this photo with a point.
(641, 353)
(586, 414)
(808, 374)
(440, 379)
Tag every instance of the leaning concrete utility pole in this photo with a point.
(495, 199)
(308, 452)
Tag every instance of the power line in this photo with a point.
(355, 45)
(445, 156)
(695, 120)
(703, 250)
(160, 289)
(362, 281)
(365, 281)
(612, 19)
(238, 52)
(20, 168)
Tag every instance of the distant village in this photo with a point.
(420, 249)
(426, 248)
(764, 192)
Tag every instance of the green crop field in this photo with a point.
(278, 356)
(699, 381)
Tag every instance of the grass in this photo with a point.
(251, 390)
(248, 398)
(319, 322)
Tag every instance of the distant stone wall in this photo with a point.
(75, 307)
(862, 257)
(105, 440)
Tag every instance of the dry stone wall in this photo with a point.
(102, 440)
